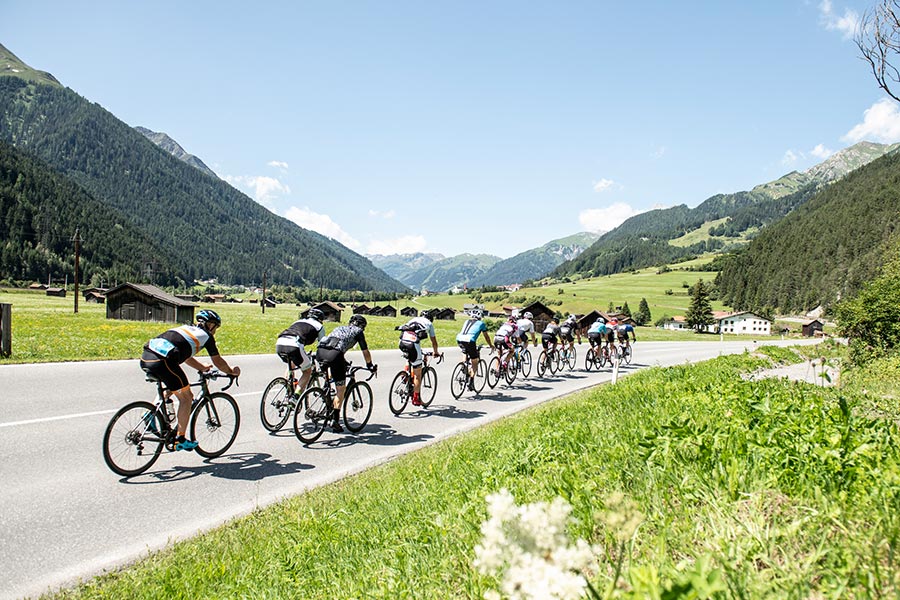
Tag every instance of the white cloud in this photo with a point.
(603, 185)
(280, 164)
(606, 219)
(881, 123)
(402, 245)
(264, 189)
(821, 152)
(658, 152)
(790, 157)
(306, 218)
(847, 24)
(388, 214)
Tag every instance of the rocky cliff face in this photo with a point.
(174, 148)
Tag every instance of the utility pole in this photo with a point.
(77, 239)
(262, 301)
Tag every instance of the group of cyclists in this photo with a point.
(164, 355)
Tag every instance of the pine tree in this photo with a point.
(642, 316)
(700, 314)
(626, 310)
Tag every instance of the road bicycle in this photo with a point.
(138, 432)
(403, 386)
(548, 360)
(567, 356)
(314, 409)
(279, 399)
(501, 369)
(462, 380)
(625, 352)
(522, 358)
(597, 357)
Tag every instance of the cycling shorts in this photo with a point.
(470, 349)
(547, 339)
(334, 361)
(595, 339)
(413, 352)
(168, 370)
(502, 343)
(294, 356)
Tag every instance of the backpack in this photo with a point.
(418, 329)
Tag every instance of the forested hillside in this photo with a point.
(645, 240)
(822, 251)
(38, 207)
(450, 272)
(203, 227)
(537, 262)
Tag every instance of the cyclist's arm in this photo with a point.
(368, 357)
(196, 364)
(434, 345)
(223, 366)
(488, 341)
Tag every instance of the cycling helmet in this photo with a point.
(359, 321)
(210, 316)
(511, 319)
(571, 319)
(600, 320)
(529, 316)
(315, 313)
(476, 313)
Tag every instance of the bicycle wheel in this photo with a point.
(312, 415)
(493, 372)
(214, 424)
(133, 439)
(429, 386)
(357, 406)
(627, 354)
(571, 357)
(589, 359)
(276, 404)
(480, 376)
(525, 366)
(459, 379)
(542, 363)
(511, 371)
(401, 391)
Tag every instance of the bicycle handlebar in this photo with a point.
(216, 374)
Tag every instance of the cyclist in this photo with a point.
(291, 345)
(503, 339)
(550, 335)
(596, 333)
(567, 331)
(411, 333)
(467, 339)
(611, 336)
(622, 331)
(330, 353)
(163, 356)
(524, 326)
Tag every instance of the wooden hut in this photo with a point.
(409, 311)
(813, 328)
(56, 291)
(141, 302)
(329, 309)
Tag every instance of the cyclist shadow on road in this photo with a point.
(441, 410)
(243, 466)
(375, 434)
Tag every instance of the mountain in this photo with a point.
(456, 271)
(822, 251)
(11, 65)
(537, 262)
(719, 223)
(174, 148)
(400, 265)
(201, 227)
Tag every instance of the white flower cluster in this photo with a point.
(527, 547)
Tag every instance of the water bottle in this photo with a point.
(170, 410)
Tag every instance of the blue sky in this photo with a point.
(484, 127)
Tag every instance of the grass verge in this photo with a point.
(746, 489)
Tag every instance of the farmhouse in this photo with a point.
(675, 324)
(141, 302)
(813, 328)
(745, 323)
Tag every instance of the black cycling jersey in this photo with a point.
(345, 337)
(306, 330)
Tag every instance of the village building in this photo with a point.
(409, 311)
(214, 298)
(331, 311)
(361, 309)
(813, 328)
(746, 323)
(56, 291)
(143, 302)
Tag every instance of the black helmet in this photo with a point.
(210, 316)
(359, 321)
(315, 313)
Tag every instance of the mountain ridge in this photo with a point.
(175, 149)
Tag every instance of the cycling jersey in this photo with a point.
(182, 343)
(471, 329)
(597, 327)
(343, 338)
(552, 330)
(301, 333)
(417, 329)
(506, 330)
(525, 326)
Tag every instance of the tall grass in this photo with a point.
(746, 489)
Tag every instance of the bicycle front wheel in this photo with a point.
(312, 415)
(357, 406)
(627, 355)
(401, 391)
(276, 404)
(480, 376)
(493, 372)
(133, 439)
(511, 371)
(215, 424)
(542, 363)
(459, 379)
(429, 386)
(589, 359)
(571, 357)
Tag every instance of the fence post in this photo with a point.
(5, 330)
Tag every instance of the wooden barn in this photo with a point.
(329, 309)
(95, 297)
(361, 309)
(388, 311)
(541, 315)
(813, 328)
(409, 311)
(142, 302)
(55, 291)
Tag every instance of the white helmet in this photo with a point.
(476, 313)
(528, 315)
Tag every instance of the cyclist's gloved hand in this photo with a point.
(372, 367)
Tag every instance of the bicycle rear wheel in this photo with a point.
(493, 372)
(312, 415)
(542, 363)
(429, 386)
(401, 391)
(589, 359)
(627, 354)
(133, 439)
(214, 424)
(525, 365)
(459, 379)
(511, 371)
(571, 357)
(480, 376)
(276, 404)
(357, 406)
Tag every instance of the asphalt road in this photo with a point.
(66, 516)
